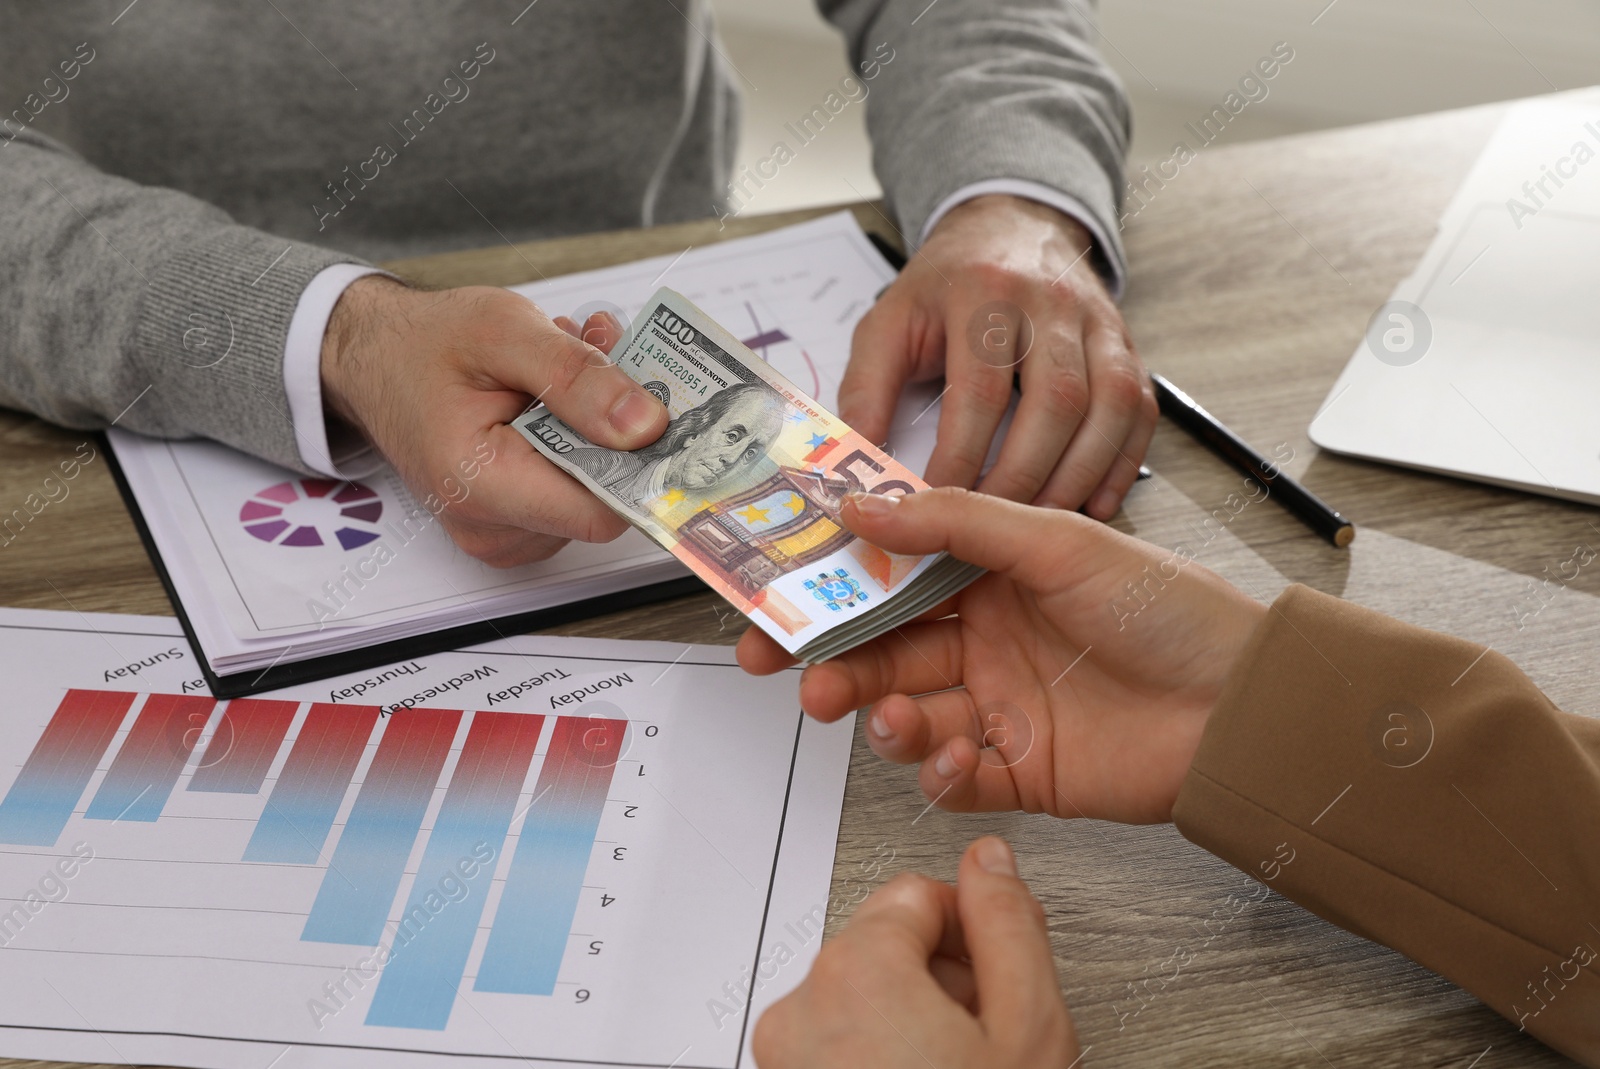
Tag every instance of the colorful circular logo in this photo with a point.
(837, 590)
(313, 512)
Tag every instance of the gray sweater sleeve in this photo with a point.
(142, 307)
(986, 89)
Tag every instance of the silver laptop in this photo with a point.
(1486, 362)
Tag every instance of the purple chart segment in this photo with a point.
(350, 537)
(268, 531)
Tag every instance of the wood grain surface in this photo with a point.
(1255, 272)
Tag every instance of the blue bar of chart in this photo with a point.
(364, 874)
(534, 918)
(146, 768)
(53, 778)
(309, 790)
(440, 920)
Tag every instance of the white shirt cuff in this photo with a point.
(1064, 203)
(302, 375)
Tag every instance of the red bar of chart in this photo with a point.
(243, 745)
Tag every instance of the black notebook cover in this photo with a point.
(285, 674)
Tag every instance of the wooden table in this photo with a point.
(1255, 272)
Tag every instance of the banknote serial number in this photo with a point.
(671, 365)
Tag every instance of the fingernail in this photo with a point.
(994, 855)
(635, 413)
(945, 765)
(879, 726)
(1104, 503)
(876, 506)
(616, 323)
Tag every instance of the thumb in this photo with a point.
(1019, 995)
(905, 922)
(578, 381)
(1031, 544)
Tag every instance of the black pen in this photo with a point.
(1211, 433)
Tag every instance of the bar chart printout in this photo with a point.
(574, 885)
(352, 907)
(365, 870)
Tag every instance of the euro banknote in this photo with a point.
(745, 486)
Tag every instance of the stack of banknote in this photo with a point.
(745, 486)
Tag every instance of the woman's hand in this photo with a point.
(959, 977)
(1075, 679)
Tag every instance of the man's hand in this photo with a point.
(1075, 679)
(927, 973)
(432, 380)
(1004, 288)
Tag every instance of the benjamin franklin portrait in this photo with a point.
(707, 448)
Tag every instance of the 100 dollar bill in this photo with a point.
(745, 487)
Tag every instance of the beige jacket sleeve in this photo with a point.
(1417, 791)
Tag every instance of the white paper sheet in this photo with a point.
(702, 875)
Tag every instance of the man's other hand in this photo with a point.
(1004, 289)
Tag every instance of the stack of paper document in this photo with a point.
(273, 571)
